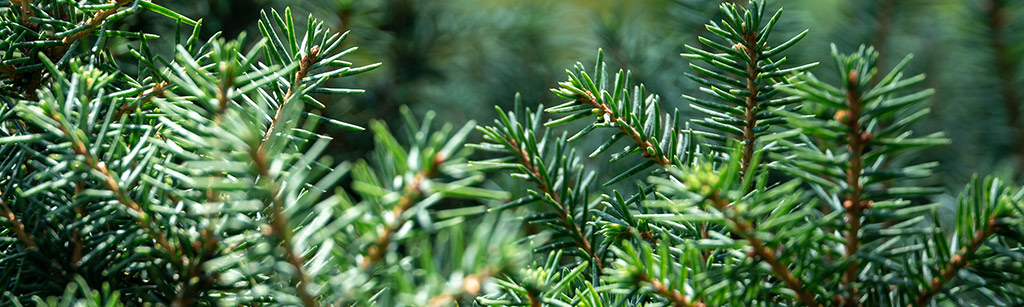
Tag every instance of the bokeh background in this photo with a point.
(460, 58)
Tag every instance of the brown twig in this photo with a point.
(279, 227)
(884, 18)
(35, 81)
(412, 193)
(156, 91)
(750, 109)
(677, 298)
(531, 295)
(759, 249)
(304, 64)
(547, 188)
(854, 203)
(957, 262)
(196, 278)
(377, 251)
(17, 226)
(26, 12)
(225, 85)
(76, 251)
(93, 22)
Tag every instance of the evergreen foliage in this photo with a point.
(199, 176)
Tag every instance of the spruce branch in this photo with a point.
(185, 180)
(628, 108)
(547, 188)
(958, 262)
(647, 148)
(524, 147)
(87, 27)
(35, 81)
(748, 231)
(110, 183)
(866, 128)
(412, 193)
(743, 77)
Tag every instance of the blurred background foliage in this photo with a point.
(462, 57)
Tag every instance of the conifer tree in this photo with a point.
(800, 194)
(199, 179)
(198, 176)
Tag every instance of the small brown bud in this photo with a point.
(649, 236)
(843, 116)
(738, 46)
(439, 158)
(471, 285)
(957, 259)
(847, 205)
(869, 204)
(853, 77)
(866, 137)
(837, 299)
(314, 51)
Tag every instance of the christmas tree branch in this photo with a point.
(646, 147)
(548, 189)
(35, 81)
(111, 184)
(958, 262)
(91, 24)
(412, 193)
(758, 248)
